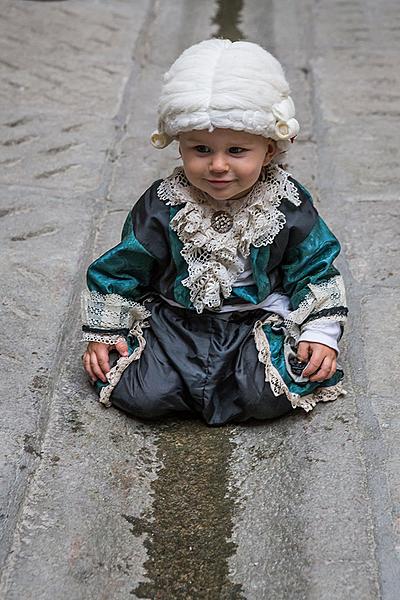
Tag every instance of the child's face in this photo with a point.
(224, 163)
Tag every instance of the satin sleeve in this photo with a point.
(116, 281)
(312, 282)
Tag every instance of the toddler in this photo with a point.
(221, 299)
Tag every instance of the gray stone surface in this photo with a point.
(367, 36)
(55, 160)
(54, 151)
(314, 497)
(41, 246)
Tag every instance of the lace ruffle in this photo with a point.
(213, 257)
(114, 375)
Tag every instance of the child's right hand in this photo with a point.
(96, 360)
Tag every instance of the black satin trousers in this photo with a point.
(204, 364)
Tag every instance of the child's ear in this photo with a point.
(270, 152)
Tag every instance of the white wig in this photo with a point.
(229, 85)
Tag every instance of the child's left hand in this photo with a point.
(321, 360)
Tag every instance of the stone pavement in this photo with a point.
(97, 505)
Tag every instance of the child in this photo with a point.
(221, 298)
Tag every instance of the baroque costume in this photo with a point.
(213, 298)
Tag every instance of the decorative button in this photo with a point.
(221, 221)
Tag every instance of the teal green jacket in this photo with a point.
(148, 261)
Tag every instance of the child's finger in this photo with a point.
(96, 368)
(103, 359)
(303, 351)
(316, 358)
(312, 367)
(88, 369)
(324, 370)
(122, 347)
(333, 368)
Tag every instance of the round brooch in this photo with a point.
(221, 221)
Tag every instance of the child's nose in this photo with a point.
(219, 164)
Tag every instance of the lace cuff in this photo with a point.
(325, 301)
(108, 318)
(104, 338)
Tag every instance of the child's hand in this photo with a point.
(96, 361)
(321, 360)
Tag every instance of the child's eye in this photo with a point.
(236, 150)
(202, 149)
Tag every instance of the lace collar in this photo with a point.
(213, 252)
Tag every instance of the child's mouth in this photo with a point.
(218, 183)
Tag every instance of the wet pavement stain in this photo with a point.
(228, 20)
(190, 526)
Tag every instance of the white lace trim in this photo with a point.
(110, 311)
(213, 257)
(104, 338)
(114, 375)
(277, 384)
(326, 295)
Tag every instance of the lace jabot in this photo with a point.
(212, 252)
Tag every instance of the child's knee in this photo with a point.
(144, 404)
(266, 406)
